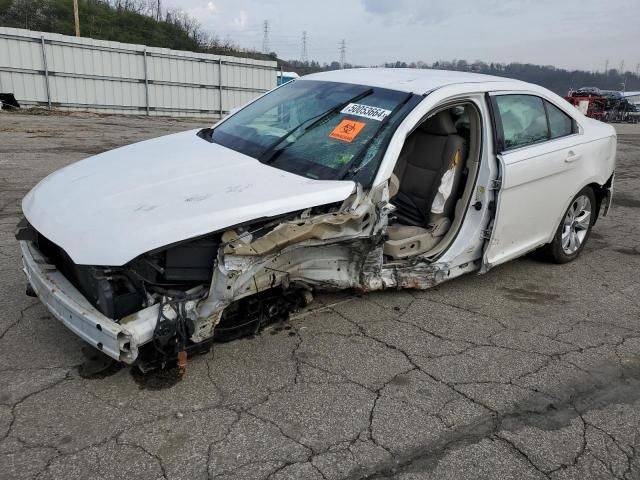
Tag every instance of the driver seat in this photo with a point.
(429, 171)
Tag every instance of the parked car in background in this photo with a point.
(588, 92)
(367, 179)
(634, 114)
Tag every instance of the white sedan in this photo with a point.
(366, 179)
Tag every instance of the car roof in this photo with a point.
(413, 80)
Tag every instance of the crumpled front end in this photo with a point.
(220, 286)
(171, 302)
(70, 307)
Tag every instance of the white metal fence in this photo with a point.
(84, 74)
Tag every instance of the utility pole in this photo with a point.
(76, 17)
(304, 57)
(158, 12)
(606, 67)
(343, 54)
(621, 67)
(265, 38)
(638, 69)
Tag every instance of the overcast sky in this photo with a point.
(565, 33)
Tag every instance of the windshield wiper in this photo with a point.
(270, 154)
(354, 165)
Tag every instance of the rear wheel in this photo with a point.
(574, 229)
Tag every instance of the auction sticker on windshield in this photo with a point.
(374, 113)
(347, 130)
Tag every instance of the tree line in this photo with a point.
(555, 79)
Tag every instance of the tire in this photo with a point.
(574, 229)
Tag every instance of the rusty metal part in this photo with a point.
(182, 362)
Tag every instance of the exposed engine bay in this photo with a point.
(178, 299)
(233, 283)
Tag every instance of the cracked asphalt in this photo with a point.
(529, 372)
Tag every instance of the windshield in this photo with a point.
(321, 130)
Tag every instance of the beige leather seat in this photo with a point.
(429, 152)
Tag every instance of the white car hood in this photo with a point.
(112, 207)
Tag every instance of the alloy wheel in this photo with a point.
(576, 224)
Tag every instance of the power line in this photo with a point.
(343, 53)
(265, 38)
(304, 57)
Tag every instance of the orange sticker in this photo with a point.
(347, 130)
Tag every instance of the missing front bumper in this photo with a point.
(71, 308)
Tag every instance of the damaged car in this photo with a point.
(363, 179)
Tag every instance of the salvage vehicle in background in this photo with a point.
(603, 105)
(366, 179)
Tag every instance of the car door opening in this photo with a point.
(436, 167)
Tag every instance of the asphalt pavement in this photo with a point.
(531, 371)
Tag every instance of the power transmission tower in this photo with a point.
(343, 53)
(265, 38)
(304, 57)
